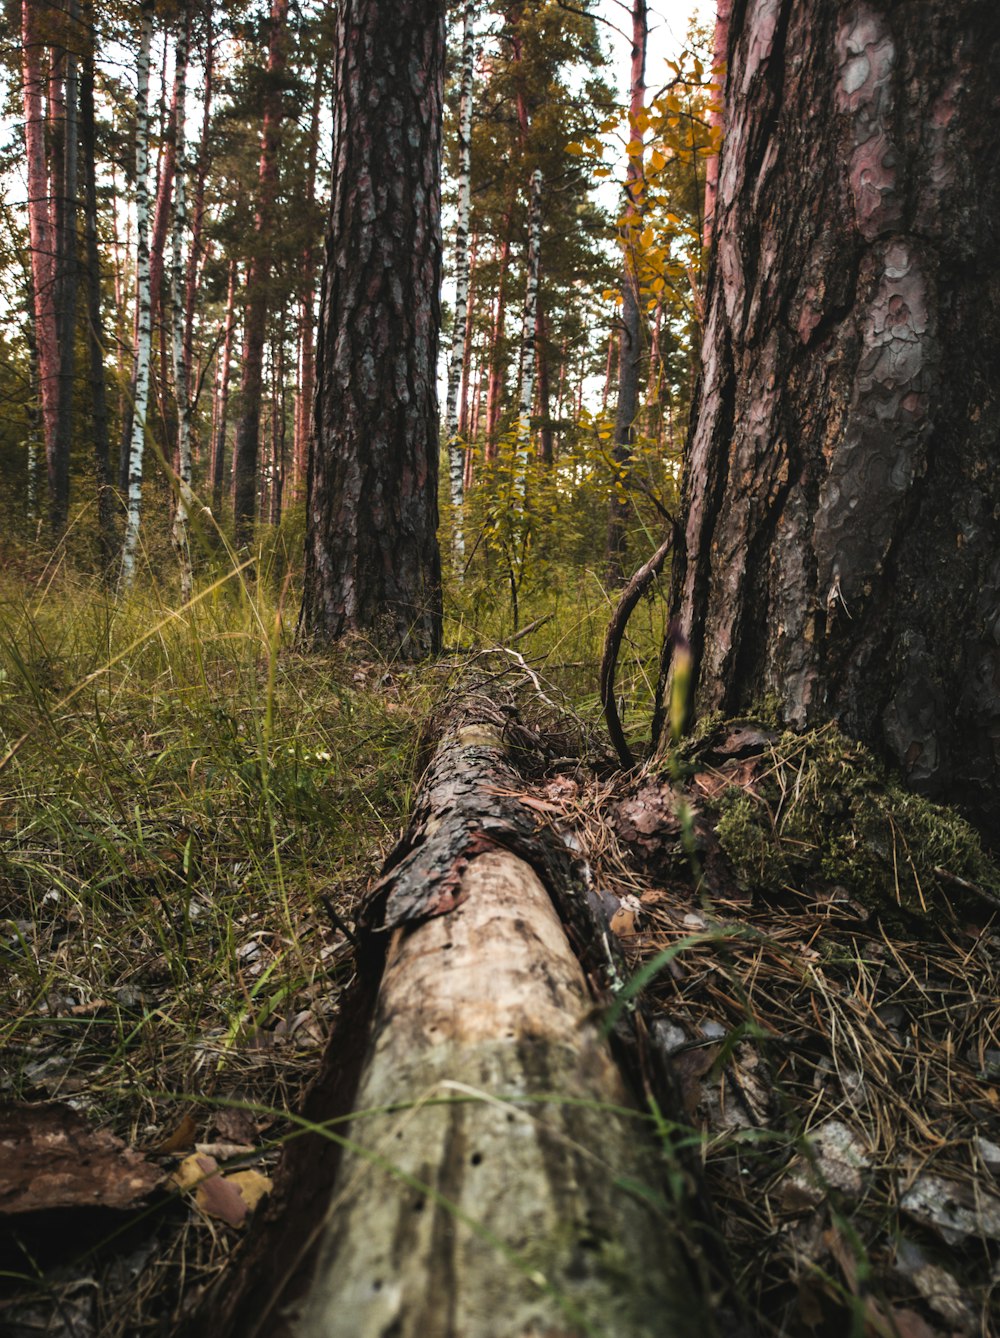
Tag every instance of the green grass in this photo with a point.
(180, 789)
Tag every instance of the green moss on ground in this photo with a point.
(820, 812)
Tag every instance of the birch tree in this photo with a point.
(527, 377)
(144, 323)
(177, 292)
(460, 331)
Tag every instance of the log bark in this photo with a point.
(492, 1180)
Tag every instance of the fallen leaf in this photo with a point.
(182, 1137)
(226, 1197)
(253, 1186)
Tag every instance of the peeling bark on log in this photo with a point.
(497, 1178)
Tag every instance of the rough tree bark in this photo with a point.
(372, 560)
(630, 332)
(842, 544)
(247, 443)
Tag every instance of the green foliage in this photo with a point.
(178, 791)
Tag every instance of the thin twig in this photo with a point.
(631, 595)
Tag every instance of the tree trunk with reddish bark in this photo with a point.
(372, 559)
(841, 549)
(40, 231)
(247, 443)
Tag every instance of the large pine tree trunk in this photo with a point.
(842, 546)
(247, 443)
(372, 561)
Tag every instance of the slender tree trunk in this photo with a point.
(247, 441)
(544, 392)
(162, 211)
(843, 477)
(470, 319)
(95, 335)
(630, 336)
(67, 273)
(526, 395)
(278, 433)
(41, 234)
(182, 395)
(307, 348)
(222, 397)
(456, 360)
(36, 436)
(197, 251)
(144, 338)
(609, 369)
(372, 560)
(497, 352)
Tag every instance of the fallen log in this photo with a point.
(497, 1177)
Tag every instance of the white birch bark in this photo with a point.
(456, 453)
(177, 275)
(143, 301)
(527, 388)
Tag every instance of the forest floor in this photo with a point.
(189, 811)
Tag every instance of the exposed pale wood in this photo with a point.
(497, 1179)
(487, 1199)
(490, 1210)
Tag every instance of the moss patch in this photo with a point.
(818, 811)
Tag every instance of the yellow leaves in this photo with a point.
(647, 238)
(230, 1198)
(634, 148)
(657, 160)
(576, 148)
